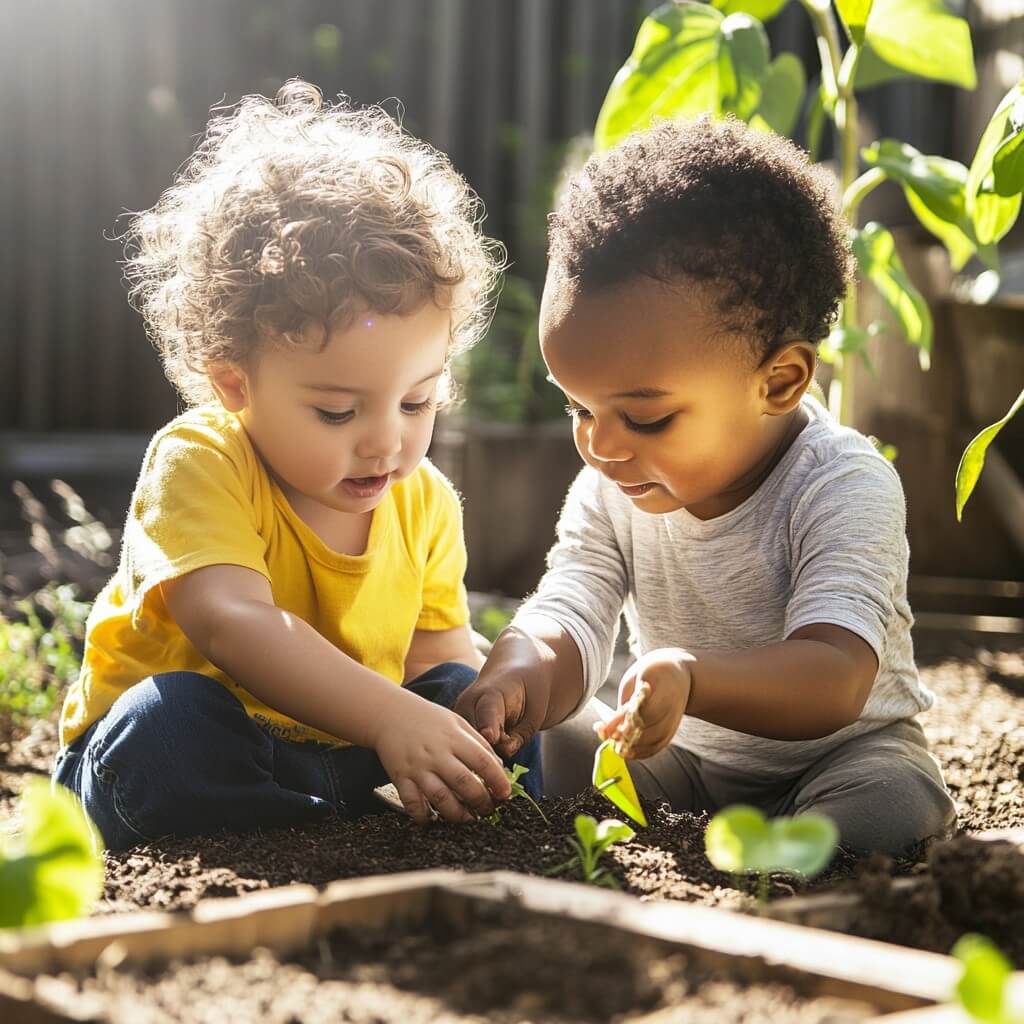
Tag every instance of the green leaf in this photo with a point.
(854, 14)
(782, 96)
(763, 10)
(586, 829)
(982, 986)
(739, 839)
(915, 37)
(610, 831)
(846, 340)
(1008, 163)
(54, 868)
(687, 60)
(973, 459)
(992, 213)
(742, 65)
(935, 189)
(875, 250)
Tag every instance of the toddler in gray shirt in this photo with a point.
(757, 548)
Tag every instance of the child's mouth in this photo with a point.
(636, 490)
(365, 486)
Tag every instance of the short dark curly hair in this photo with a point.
(718, 203)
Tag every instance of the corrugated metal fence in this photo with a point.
(101, 99)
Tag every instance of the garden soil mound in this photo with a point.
(976, 731)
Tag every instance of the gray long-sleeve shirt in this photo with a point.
(822, 540)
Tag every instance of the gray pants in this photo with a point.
(883, 790)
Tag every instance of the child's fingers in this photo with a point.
(488, 715)
(488, 772)
(441, 797)
(627, 684)
(413, 800)
(609, 729)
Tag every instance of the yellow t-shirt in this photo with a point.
(205, 498)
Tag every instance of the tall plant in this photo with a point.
(693, 58)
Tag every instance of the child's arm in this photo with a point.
(809, 685)
(431, 647)
(559, 647)
(532, 679)
(431, 754)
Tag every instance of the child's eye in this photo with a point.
(647, 428)
(326, 416)
(578, 412)
(412, 408)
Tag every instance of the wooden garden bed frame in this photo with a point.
(907, 986)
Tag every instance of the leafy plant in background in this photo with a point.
(492, 620)
(53, 867)
(740, 840)
(693, 58)
(589, 844)
(513, 774)
(38, 660)
(986, 989)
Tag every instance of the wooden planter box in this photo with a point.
(891, 979)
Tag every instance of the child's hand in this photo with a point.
(666, 673)
(509, 700)
(437, 759)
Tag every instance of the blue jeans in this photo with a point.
(177, 754)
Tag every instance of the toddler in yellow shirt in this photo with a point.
(287, 627)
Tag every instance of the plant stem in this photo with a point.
(840, 71)
(854, 195)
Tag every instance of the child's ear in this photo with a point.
(231, 385)
(787, 373)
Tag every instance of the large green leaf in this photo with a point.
(983, 984)
(915, 37)
(973, 459)
(52, 869)
(782, 96)
(763, 10)
(875, 250)
(992, 213)
(935, 189)
(854, 14)
(687, 60)
(1008, 163)
(740, 839)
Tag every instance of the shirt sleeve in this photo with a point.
(445, 603)
(584, 588)
(850, 553)
(192, 508)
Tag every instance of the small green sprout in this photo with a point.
(589, 844)
(513, 776)
(985, 989)
(740, 840)
(53, 868)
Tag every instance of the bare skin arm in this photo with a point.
(228, 614)
(431, 647)
(810, 685)
(532, 679)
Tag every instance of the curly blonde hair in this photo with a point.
(296, 215)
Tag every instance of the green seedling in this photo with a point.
(513, 774)
(741, 840)
(53, 867)
(589, 845)
(986, 989)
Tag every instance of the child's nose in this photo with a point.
(383, 440)
(605, 444)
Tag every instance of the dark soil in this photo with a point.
(976, 731)
(496, 964)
